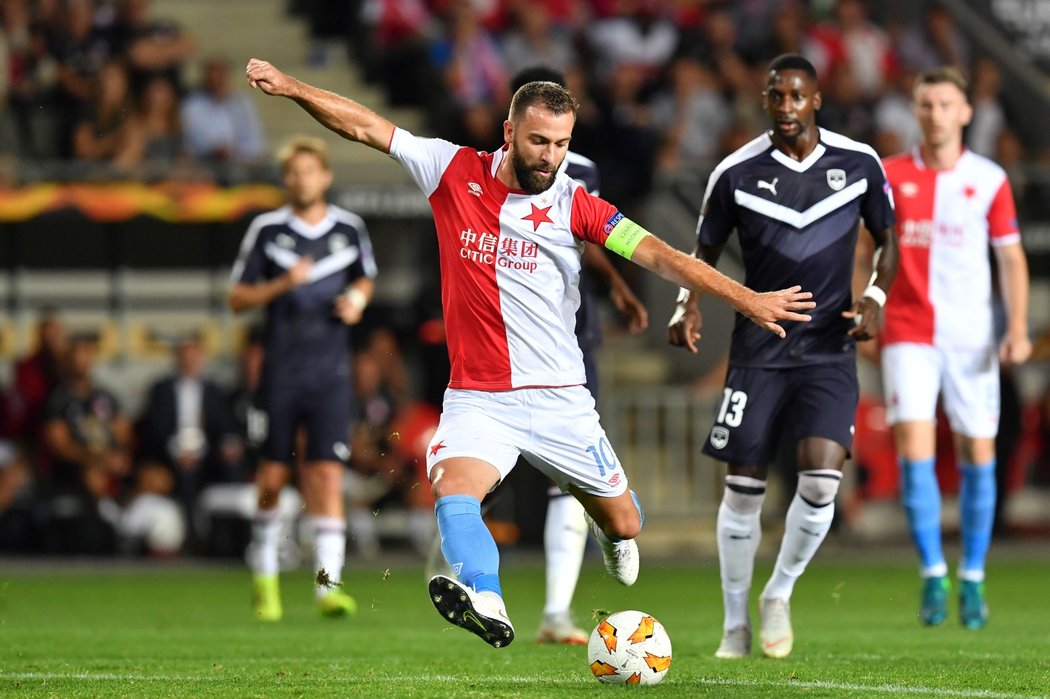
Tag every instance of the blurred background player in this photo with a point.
(511, 394)
(565, 527)
(794, 195)
(940, 338)
(310, 264)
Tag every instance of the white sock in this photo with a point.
(422, 527)
(808, 521)
(738, 530)
(329, 551)
(564, 540)
(266, 532)
(362, 524)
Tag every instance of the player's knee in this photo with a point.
(624, 525)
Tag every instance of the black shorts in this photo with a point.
(321, 406)
(757, 405)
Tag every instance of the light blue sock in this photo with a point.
(921, 497)
(977, 508)
(467, 544)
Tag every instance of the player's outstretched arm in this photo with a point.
(683, 330)
(347, 118)
(764, 309)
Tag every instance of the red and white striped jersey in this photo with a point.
(945, 221)
(510, 265)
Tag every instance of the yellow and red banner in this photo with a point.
(172, 202)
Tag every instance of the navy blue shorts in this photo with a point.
(320, 406)
(757, 405)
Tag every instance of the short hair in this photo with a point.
(303, 144)
(941, 75)
(538, 73)
(793, 61)
(549, 95)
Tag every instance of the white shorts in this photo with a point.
(914, 374)
(556, 429)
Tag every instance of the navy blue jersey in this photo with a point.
(588, 327)
(303, 335)
(798, 224)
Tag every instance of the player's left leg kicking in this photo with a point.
(476, 445)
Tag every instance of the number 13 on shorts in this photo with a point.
(731, 412)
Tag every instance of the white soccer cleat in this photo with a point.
(481, 613)
(621, 557)
(777, 636)
(736, 643)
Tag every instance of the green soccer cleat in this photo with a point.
(973, 610)
(266, 598)
(934, 609)
(335, 604)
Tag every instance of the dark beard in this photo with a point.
(527, 178)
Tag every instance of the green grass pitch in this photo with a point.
(182, 631)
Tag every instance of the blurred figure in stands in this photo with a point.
(151, 47)
(221, 124)
(187, 432)
(89, 441)
(108, 130)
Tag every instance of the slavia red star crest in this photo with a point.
(537, 216)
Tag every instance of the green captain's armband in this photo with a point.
(624, 235)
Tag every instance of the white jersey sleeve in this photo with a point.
(425, 158)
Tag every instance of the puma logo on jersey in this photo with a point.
(771, 186)
(474, 188)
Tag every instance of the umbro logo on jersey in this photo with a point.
(836, 179)
(474, 188)
(771, 186)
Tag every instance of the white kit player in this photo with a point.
(939, 336)
(510, 227)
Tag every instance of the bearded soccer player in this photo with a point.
(509, 225)
(310, 265)
(795, 195)
(939, 337)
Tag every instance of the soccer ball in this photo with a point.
(629, 648)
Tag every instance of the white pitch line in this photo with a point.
(892, 689)
(874, 688)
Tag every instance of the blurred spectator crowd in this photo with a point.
(78, 475)
(671, 85)
(98, 85)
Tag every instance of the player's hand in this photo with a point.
(867, 318)
(629, 305)
(347, 310)
(766, 308)
(683, 330)
(264, 76)
(1015, 349)
(300, 272)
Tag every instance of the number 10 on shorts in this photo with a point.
(603, 456)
